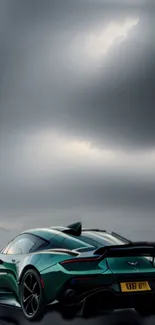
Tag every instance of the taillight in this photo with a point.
(80, 260)
(80, 264)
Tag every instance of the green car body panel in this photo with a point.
(85, 266)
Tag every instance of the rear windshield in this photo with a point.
(69, 242)
(88, 240)
(98, 239)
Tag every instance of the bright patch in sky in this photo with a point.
(48, 152)
(90, 48)
(98, 44)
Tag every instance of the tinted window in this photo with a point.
(72, 243)
(100, 239)
(67, 242)
(5, 249)
(21, 246)
(24, 244)
(110, 239)
(87, 241)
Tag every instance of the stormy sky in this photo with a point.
(77, 114)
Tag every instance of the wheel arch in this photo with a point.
(26, 268)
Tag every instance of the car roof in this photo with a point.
(45, 233)
(49, 233)
(62, 232)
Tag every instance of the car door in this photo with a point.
(10, 260)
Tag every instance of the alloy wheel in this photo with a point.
(31, 295)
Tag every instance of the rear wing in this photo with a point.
(146, 249)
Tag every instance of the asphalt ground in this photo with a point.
(11, 316)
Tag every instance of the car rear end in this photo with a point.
(111, 277)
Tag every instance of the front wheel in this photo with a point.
(31, 296)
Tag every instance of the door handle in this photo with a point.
(1, 262)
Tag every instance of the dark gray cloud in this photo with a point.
(77, 135)
(114, 100)
(84, 188)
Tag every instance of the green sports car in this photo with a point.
(77, 272)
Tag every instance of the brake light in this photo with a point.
(80, 260)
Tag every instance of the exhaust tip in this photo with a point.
(69, 294)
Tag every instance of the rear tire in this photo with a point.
(31, 296)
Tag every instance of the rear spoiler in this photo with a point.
(131, 249)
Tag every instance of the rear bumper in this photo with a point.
(103, 301)
(110, 298)
(91, 300)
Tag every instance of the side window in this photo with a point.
(21, 246)
(40, 243)
(24, 244)
(7, 248)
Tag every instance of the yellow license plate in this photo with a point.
(135, 286)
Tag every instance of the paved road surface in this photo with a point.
(9, 316)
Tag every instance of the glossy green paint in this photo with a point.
(121, 265)
(106, 274)
(54, 275)
(9, 288)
